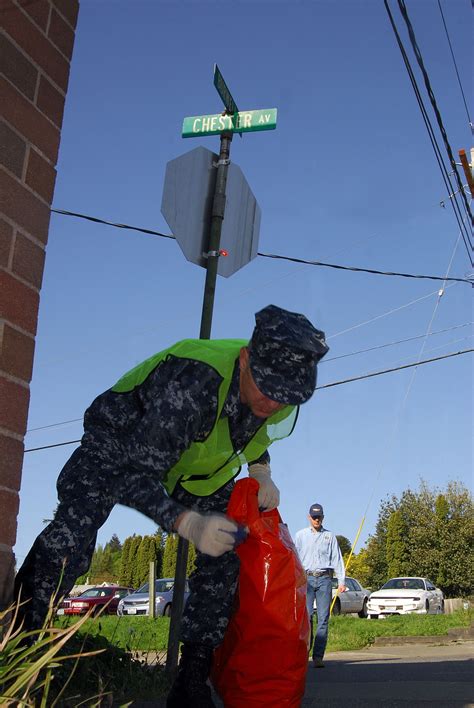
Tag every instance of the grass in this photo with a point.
(122, 670)
(349, 633)
(131, 634)
(115, 673)
(139, 634)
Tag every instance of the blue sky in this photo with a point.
(348, 176)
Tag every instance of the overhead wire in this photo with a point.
(429, 89)
(429, 127)
(397, 368)
(430, 324)
(455, 65)
(396, 425)
(379, 346)
(324, 361)
(385, 314)
(329, 385)
(292, 259)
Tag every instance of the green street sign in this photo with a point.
(224, 92)
(241, 122)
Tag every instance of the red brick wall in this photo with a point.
(36, 43)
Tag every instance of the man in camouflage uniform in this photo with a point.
(168, 440)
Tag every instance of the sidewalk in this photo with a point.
(409, 675)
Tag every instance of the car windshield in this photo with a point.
(404, 584)
(98, 592)
(160, 586)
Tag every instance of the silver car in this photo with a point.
(354, 599)
(138, 602)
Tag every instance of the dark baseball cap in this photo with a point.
(284, 352)
(316, 510)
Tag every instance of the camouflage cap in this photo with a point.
(284, 351)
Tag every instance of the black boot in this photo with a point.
(190, 689)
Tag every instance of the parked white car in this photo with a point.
(402, 596)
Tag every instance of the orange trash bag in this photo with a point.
(263, 659)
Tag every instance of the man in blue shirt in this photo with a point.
(321, 558)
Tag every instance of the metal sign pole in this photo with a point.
(212, 255)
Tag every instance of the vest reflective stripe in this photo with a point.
(207, 466)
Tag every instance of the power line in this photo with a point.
(455, 65)
(46, 447)
(431, 135)
(329, 385)
(54, 425)
(96, 220)
(387, 313)
(322, 264)
(379, 346)
(398, 368)
(324, 361)
(362, 270)
(419, 58)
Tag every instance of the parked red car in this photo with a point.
(97, 598)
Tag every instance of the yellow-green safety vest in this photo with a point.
(207, 466)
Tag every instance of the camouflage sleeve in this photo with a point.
(178, 404)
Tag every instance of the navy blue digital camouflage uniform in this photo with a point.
(130, 442)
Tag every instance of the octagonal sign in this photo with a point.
(188, 194)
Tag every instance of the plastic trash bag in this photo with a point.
(263, 659)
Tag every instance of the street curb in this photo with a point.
(454, 634)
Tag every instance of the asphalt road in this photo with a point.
(406, 676)
(412, 676)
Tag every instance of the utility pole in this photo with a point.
(212, 256)
(202, 243)
(468, 168)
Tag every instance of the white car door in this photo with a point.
(433, 597)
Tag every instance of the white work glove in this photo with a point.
(268, 493)
(213, 534)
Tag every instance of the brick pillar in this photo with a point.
(36, 43)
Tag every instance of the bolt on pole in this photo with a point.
(218, 210)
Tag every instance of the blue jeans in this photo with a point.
(321, 589)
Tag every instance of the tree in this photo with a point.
(427, 533)
(376, 546)
(442, 517)
(169, 555)
(149, 550)
(344, 544)
(125, 563)
(114, 544)
(135, 570)
(142, 564)
(456, 540)
(396, 545)
(359, 568)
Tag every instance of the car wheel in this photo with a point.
(97, 610)
(363, 613)
(427, 606)
(167, 611)
(336, 610)
(373, 617)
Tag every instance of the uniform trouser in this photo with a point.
(89, 486)
(321, 590)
